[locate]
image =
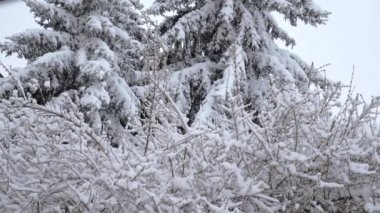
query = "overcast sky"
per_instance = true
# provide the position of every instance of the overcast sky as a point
(351, 37)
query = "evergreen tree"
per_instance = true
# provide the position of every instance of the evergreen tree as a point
(217, 49)
(90, 49)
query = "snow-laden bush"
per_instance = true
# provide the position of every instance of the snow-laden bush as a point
(313, 155)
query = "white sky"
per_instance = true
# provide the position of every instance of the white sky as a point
(351, 37)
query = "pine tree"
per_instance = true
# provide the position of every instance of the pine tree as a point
(211, 46)
(89, 49)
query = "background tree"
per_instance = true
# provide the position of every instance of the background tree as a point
(212, 45)
(89, 49)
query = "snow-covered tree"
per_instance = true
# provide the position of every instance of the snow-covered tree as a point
(214, 46)
(90, 49)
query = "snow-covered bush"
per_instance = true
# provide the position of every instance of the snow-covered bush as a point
(314, 154)
(52, 161)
